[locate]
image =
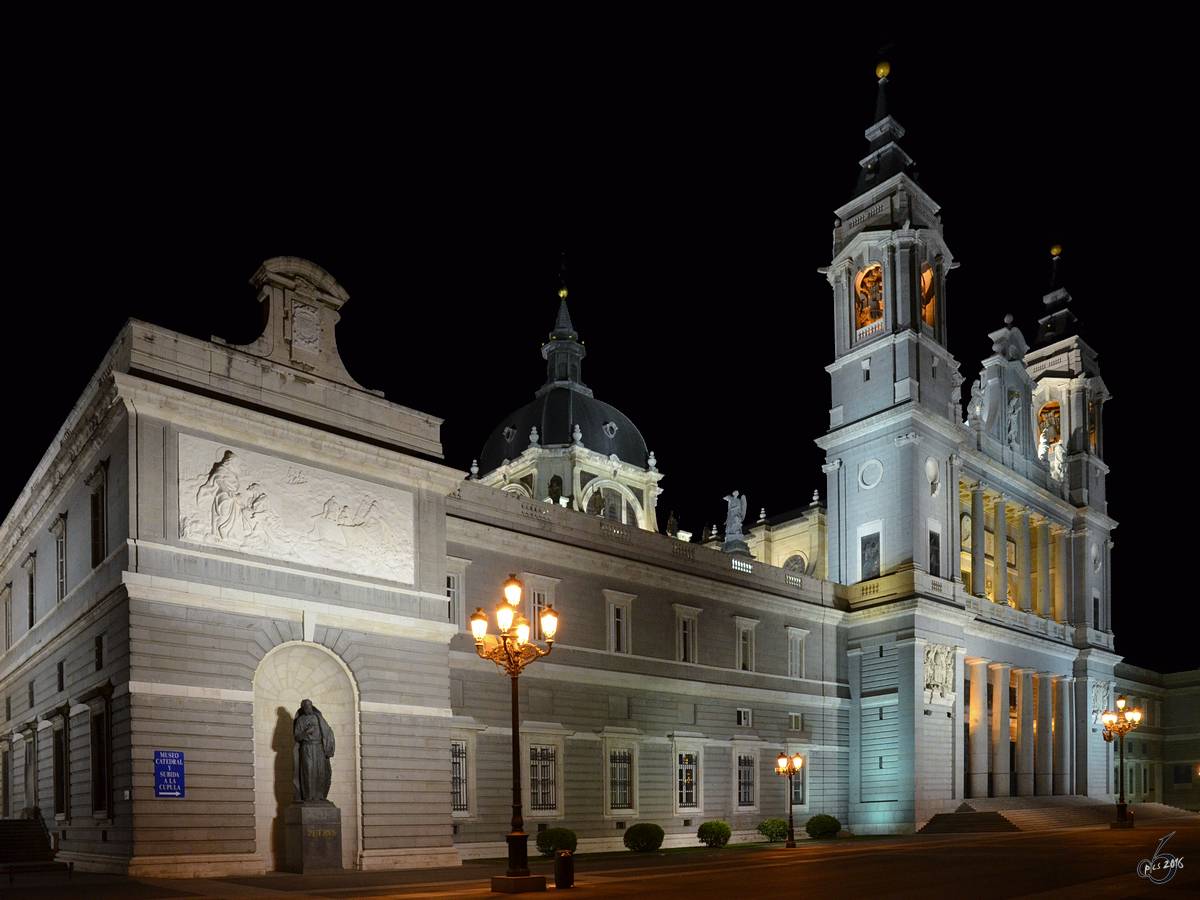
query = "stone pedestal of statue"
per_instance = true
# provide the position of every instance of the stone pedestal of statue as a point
(312, 837)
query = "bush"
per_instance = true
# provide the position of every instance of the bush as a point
(644, 837)
(553, 839)
(773, 829)
(715, 833)
(822, 827)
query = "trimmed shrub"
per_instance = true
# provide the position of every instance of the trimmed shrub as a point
(644, 837)
(715, 833)
(773, 829)
(553, 839)
(822, 826)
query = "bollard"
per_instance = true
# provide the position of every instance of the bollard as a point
(564, 869)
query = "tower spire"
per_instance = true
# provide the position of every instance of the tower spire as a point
(885, 158)
(563, 351)
(1059, 321)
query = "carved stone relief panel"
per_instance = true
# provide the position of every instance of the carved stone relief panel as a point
(939, 669)
(241, 500)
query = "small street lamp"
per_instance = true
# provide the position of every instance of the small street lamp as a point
(789, 767)
(1119, 724)
(512, 651)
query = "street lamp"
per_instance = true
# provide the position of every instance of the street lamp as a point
(789, 767)
(1120, 723)
(512, 652)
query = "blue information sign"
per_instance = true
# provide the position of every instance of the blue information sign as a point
(168, 773)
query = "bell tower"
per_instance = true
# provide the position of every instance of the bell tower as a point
(888, 276)
(894, 416)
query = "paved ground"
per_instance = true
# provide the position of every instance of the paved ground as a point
(1081, 864)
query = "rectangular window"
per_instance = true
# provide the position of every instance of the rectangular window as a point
(101, 772)
(743, 718)
(99, 652)
(796, 638)
(869, 556)
(458, 776)
(59, 530)
(538, 605)
(686, 633)
(8, 709)
(620, 779)
(744, 636)
(98, 482)
(31, 695)
(745, 780)
(452, 599)
(29, 569)
(795, 721)
(542, 779)
(60, 772)
(62, 676)
(619, 606)
(7, 593)
(688, 772)
(935, 554)
(798, 786)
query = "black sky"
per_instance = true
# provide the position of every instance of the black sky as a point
(692, 184)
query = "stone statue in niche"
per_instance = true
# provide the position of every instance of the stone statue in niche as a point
(1014, 436)
(253, 503)
(314, 747)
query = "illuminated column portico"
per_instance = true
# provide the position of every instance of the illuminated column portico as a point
(978, 736)
(1043, 755)
(1001, 674)
(1024, 732)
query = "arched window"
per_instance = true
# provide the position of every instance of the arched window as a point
(868, 297)
(928, 296)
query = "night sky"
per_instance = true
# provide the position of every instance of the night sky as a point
(693, 192)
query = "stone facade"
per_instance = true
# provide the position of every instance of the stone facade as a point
(220, 532)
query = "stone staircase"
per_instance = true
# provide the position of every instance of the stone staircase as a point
(1039, 814)
(25, 847)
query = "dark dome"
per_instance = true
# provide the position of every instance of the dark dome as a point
(555, 415)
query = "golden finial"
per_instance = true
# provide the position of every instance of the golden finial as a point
(1056, 250)
(882, 70)
(562, 292)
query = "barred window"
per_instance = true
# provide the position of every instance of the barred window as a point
(620, 779)
(539, 604)
(458, 775)
(688, 770)
(745, 780)
(542, 779)
(452, 597)
(59, 530)
(798, 787)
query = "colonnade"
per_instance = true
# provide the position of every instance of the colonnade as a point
(1039, 724)
(1040, 546)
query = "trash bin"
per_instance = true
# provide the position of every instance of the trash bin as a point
(564, 869)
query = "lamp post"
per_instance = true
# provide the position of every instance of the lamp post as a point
(1119, 724)
(789, 767)
(512, 651)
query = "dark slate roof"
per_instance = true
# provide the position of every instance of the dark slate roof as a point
(555, 414)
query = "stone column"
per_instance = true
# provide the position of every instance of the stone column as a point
(1059, 536)
(1000, 551)
(1043, 755)
(1001, 673)
(978, 548)
(1024, 732)
(1024, 558)
(1043, 568)
(979, 727)
(1062, 734)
